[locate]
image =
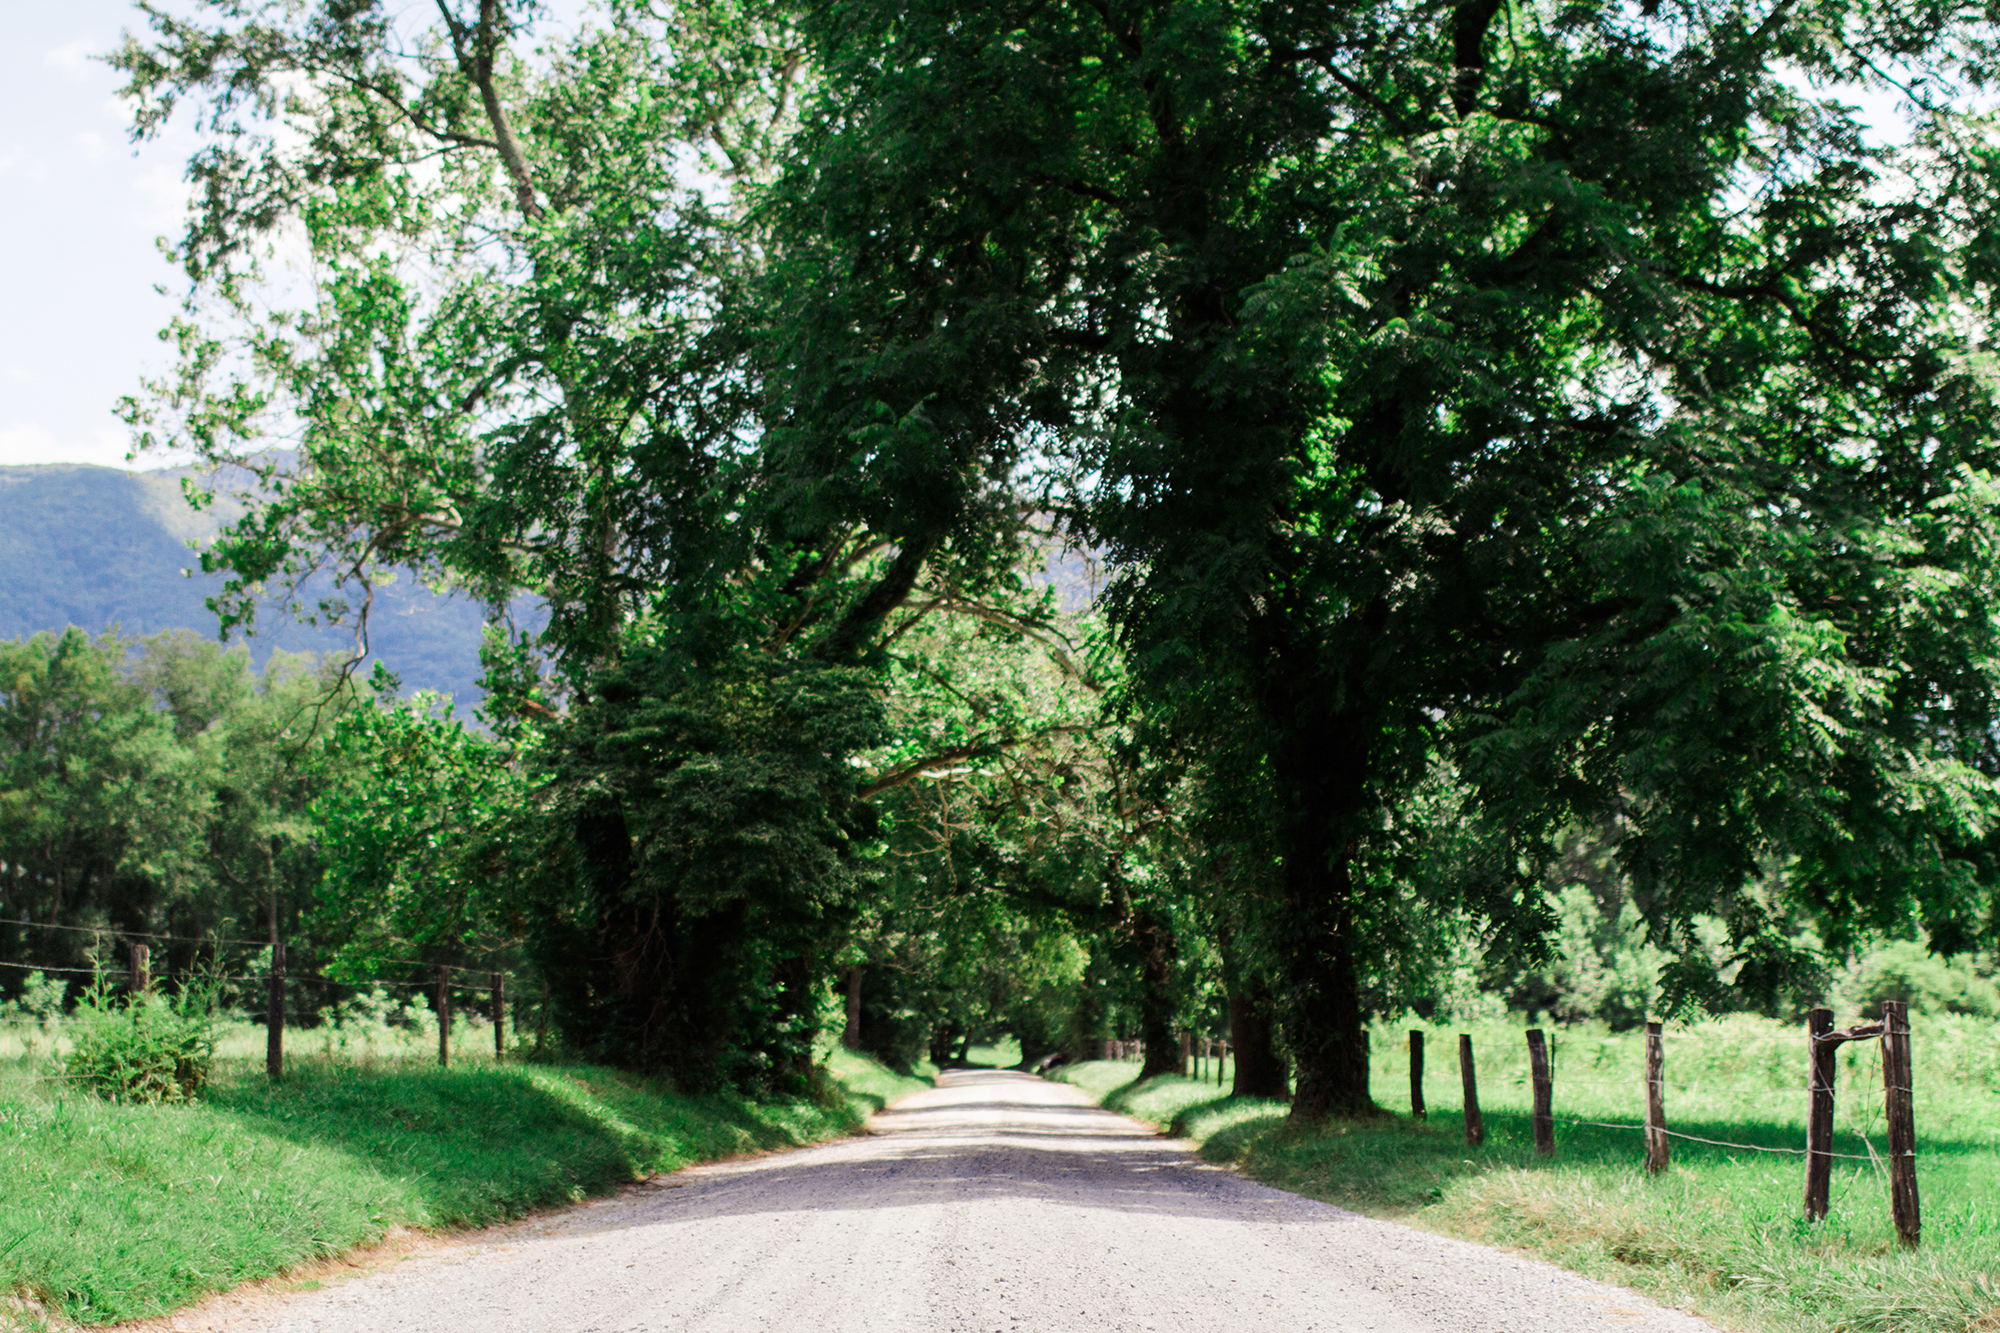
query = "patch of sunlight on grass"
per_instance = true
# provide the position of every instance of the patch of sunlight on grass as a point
(1720, 1231)
(111, 1213)
(1004, 1053)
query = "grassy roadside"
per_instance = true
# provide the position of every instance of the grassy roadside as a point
(112, 1213)
(1718, 1233)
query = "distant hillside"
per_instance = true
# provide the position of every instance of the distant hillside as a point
(97, 547)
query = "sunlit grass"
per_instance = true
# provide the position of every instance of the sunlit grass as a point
(1720, 1231)
(110, 1213)
(1003, 1053)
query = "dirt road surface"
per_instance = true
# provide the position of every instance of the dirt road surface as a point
(994, 1203)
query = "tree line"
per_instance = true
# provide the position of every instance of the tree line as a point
(1492, 422)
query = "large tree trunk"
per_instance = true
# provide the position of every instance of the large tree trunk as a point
(850, 1036)
(1157, 952)
(1321, 772)
(1260, 1070)
(1086, 1023)
(1323, 1018)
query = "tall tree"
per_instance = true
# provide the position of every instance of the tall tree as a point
(1566, 393)
(550, 347)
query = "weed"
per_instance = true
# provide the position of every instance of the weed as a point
(149, 1048)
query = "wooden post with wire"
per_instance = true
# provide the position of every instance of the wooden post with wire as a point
(444, 1016)
(1538, 1069)
(1820, 1067)
(499, 988)
(142, 970)
(1475, 1128)
(1902, 1124)
(1658, 1153)
(1416, 1075)
(274, 1017)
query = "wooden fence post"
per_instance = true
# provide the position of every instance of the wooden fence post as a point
(142, 971)
(274, 1017)
(1417, 1075)
(1221, 1061)
(1538, 1069)
(1658, 1154)
(1820, 1067)
(499, 989)
(444, 1017)
(1475, 1128)
(1902, 1124)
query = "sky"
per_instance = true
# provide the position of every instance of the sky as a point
(79, 312)
(84, 290)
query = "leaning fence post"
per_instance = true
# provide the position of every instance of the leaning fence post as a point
(1657, 1151)
(274, 1017)
(1820, 1067)
(1538, 1069)
(444, 1017)
(1475, 1128)
(499, 989)
(1416, 1075)
(142, 971)
(1902, 1124)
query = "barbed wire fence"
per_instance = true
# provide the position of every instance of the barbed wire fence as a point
(488, 985)
(1894, 1164)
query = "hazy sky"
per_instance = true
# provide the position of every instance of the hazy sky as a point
(82, 212)
(77, 232)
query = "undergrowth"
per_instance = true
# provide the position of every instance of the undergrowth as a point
(116, 1212)
(1719, 1232)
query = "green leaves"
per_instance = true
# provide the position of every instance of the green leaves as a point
(411, 818)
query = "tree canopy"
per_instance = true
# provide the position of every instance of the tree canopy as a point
(1495, 421)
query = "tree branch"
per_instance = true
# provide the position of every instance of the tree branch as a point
(475, 49)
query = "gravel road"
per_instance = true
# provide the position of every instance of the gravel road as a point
(994, 1202)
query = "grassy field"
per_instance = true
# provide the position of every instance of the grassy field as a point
(110, 1213)
(1720, 1231)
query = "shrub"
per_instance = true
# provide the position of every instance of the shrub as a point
(40, 1002)
(151, 1048)
(1908, 971)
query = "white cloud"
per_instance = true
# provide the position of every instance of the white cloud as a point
(93, 145)
(31, 442)
(73, 56)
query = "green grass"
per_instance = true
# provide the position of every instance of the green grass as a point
(110, 1213)
(1003, 1053)
(1720, 1231)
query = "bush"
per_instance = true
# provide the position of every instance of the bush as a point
(40, 1003)
(151, 1048)
(1908, 971)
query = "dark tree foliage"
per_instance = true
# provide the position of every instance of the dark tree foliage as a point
(1498, 420)
(699, 871)
(1564, 394)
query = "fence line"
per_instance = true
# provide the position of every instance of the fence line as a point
(1719, 1143)
(259, 945)
(1892, 1061)
(131, 934)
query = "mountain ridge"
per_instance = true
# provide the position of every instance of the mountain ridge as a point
(107, 549)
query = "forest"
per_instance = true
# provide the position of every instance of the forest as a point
(1071, 518)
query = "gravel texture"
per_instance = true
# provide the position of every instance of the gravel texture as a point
(994, 1202)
